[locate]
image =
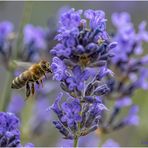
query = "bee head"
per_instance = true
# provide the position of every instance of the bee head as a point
(45, 65)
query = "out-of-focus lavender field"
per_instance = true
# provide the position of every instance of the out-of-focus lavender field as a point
(36, 121)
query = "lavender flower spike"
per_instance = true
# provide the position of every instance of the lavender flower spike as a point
(80, 45)
(34, 35)
(6, 37)
(79, 63)
(34, 41)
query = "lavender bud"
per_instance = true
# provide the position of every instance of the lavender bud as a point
(101, 90)
(91, 47)
(92, 129)
(90, 119)
(61, 128)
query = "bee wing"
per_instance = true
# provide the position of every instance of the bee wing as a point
(22, 65)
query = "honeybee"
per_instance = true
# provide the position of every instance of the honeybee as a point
(33, 75)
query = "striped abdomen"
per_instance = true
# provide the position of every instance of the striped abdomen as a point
(21, 80)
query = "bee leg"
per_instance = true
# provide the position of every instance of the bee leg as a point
(37, 82)
(32, 89)
(41, 82)
(45, 75)
(27, 91)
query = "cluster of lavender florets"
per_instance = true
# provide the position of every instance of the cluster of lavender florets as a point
(10, 131)
(80, 64)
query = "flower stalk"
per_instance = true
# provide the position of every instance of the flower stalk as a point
(6, 92)
(76, 142)
(74, 65)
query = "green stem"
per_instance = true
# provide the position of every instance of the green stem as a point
(25, 19)
(6, 92)
(75, 142)
(102, 137)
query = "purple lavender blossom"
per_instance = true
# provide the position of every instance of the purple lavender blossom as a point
(127, 37)
(61, 11)
(9, 122)
(78, 78)
(34, 41)
(104, 71)
(58, 50)
(58, 68)
(128, 63)
(120, 19)
(76, 63)
(80, 45)
(69, 22)
(69, 116)
(68, 113)
(71, 112)
(6, 28)
(34, 35)
(56, 105)
(97, 19)
(143, 34)
(9, 130)
(6, 36)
